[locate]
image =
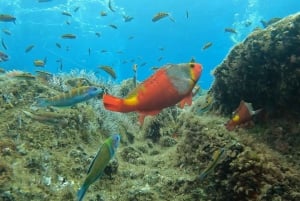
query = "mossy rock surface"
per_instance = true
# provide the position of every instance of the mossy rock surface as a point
(264, 69)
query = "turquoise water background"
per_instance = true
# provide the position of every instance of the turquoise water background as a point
(151, 44)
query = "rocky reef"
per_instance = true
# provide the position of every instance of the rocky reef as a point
(264, 69)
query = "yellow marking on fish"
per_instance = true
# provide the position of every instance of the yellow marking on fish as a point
(131, 101)
(236, 118)
(193, 76)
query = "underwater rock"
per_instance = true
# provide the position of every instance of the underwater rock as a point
(111, 168)
(133, 156)
(263, 70)
(167, 141)
(249, 170)
(6, 174)
(141, 194)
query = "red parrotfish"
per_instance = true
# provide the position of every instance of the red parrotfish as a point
(169, 85)
(241, 115)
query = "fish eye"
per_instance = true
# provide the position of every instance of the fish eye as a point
(192, 65)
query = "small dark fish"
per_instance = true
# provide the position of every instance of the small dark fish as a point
(160, 58)
(187, 14)
(109, 70)
(113, 26)
(3, 44)
(271, 21)
(6, 31)
(230, 30)
(248, 23)
(67, 22)
(172, 19)
(43, 75)
(58, 45)
(159, 16)
(103, 51)
(29, 48)
(68, 36)
(3, 57)
(98, 34)
(134, 68)
(78, 82)
(154, 68)
(59, 60)
(143, 64)
(89, 50)
(60, 64)
(130, 37)
(161, 48)
(127, 18)
(40, 63)
(66, 13)
(103, 13)
(207, 45)
(110, 6)
(7, 18)
(76, 9)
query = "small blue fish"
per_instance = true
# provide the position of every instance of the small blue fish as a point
(76, 95)
(217, 155)
(105, 153)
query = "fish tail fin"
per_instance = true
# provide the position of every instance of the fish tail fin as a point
(113, 103)
(81, 192)
(202, 176)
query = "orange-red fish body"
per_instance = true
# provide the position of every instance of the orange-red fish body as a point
(243, 114)
(169, 85)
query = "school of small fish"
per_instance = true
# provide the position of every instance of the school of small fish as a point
(169, 85)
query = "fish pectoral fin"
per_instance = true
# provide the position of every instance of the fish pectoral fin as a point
(186, 100)
(143, 114)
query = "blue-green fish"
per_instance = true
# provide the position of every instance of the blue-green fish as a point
(76, 95)
(217, 155)
(105, 153)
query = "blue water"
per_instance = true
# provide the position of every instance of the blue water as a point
(42, 24)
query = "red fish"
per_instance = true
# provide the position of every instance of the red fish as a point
(241, 115)
(169, 85)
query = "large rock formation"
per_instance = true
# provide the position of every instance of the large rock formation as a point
(264, 69)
